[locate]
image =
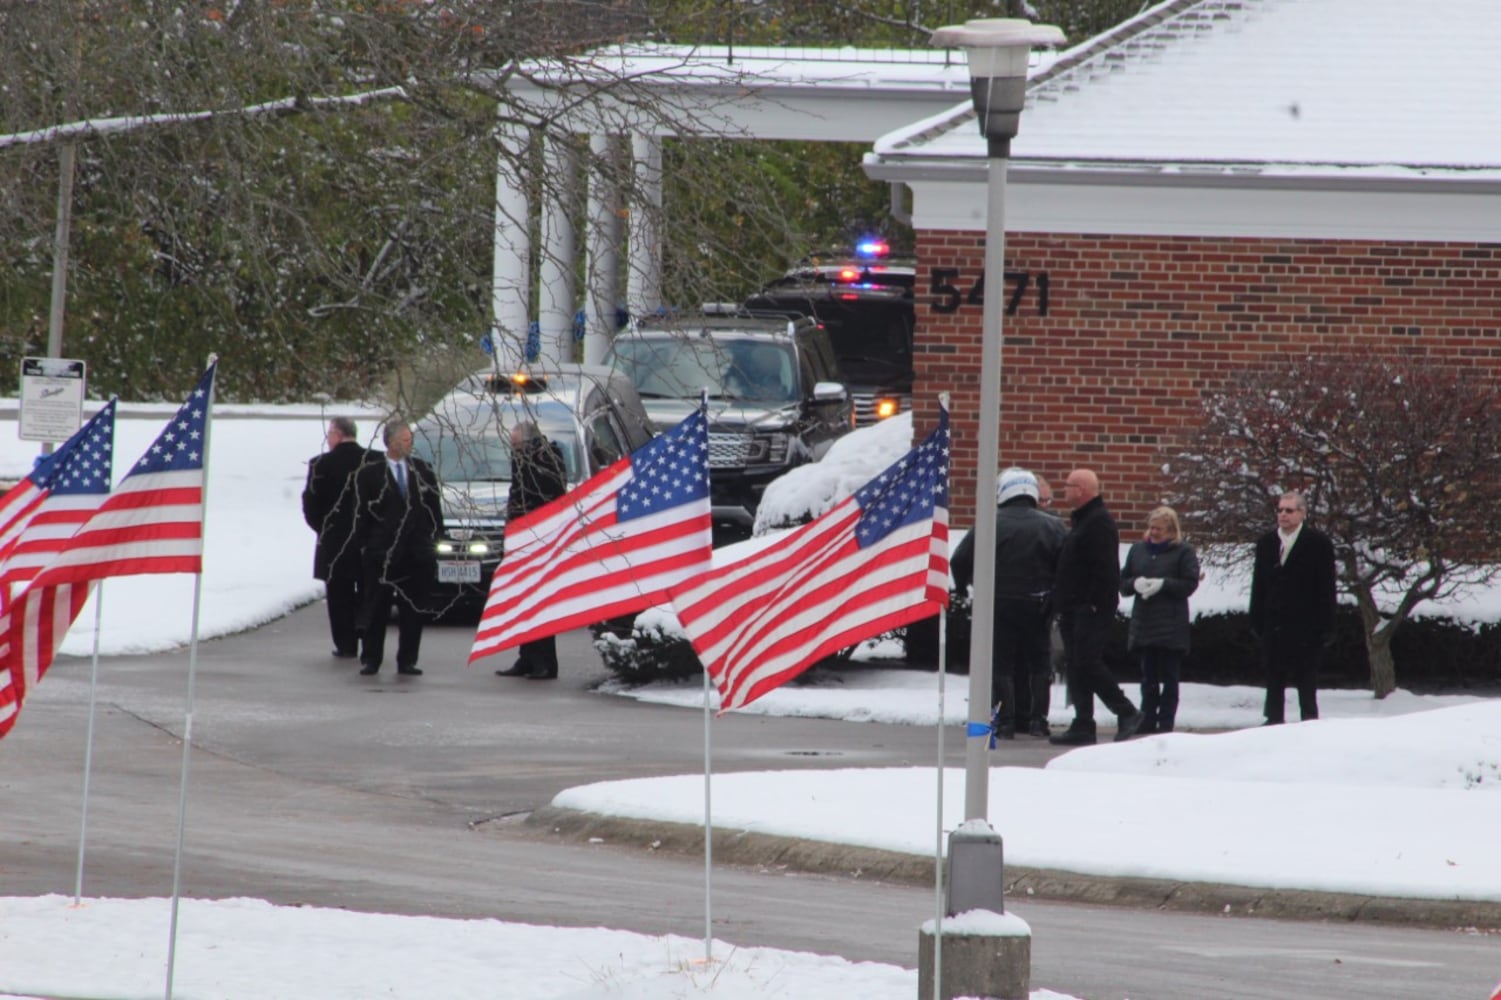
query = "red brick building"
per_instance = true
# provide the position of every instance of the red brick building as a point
(1215, 185)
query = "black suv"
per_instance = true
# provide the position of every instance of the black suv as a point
(866, 303)
(776, 396)
(591, 414)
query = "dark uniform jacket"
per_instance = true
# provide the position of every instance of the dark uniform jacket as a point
(1027, 542)
(538, 477)
(1292, 603)
(1160, 621)
(1089, 564)
(328, 507)
(396, 532)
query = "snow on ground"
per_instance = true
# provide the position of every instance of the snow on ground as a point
(1392, 798)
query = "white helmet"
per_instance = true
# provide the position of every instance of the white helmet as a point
(1015, 482)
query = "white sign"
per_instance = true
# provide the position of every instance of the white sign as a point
(51, 398)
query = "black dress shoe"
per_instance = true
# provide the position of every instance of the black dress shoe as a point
(340, 654)
(1073, 738)
(517, 669)
(1127, 725)
(369, 668)
(409, 671)
(545, 674)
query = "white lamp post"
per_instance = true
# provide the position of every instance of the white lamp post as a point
(998, 51)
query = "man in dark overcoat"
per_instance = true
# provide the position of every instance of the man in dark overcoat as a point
(1086, 598)
(399, 520)
(1027, 542)
(328, 507)
(1292, 607)
(538, 477)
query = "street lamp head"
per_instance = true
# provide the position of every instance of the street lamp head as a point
(998, 49)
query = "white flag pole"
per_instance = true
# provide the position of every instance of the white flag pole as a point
(943, 666)
(708, 830)
(187, 725)
(703, 402)
(88, 744)
(943, 639)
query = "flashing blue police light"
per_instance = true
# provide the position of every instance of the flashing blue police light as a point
(872, 248)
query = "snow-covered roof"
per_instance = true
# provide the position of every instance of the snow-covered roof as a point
(1292, 88)
(835, 94)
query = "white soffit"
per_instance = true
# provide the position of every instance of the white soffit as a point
(831, 94)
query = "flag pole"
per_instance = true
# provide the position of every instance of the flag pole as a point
(943, 661)
(708, 831)
(187, 725)
(703, 402)
(943, 628)
(88, 744)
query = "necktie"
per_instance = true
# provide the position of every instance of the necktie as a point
(400, 468)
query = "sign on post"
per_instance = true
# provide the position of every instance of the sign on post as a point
(51, 398)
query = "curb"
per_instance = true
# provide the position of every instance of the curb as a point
(740, 847)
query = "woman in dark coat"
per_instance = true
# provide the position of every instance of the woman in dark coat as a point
(1161, 571)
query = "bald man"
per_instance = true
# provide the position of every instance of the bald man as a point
(1086, 596)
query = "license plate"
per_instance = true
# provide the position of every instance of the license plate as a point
(466, 571)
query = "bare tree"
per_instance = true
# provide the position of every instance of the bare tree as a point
(1400, 460)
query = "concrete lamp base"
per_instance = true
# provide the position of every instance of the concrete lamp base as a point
(985, 955)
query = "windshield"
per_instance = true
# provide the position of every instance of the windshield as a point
(475, 445)
(678, 367)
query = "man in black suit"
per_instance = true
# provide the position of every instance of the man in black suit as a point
(400, 518)
(538, 477)
(1292, 606)
(328, 508)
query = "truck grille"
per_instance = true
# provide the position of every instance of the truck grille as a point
(727, 451)
(865, 406)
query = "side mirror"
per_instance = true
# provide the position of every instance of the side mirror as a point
(829, 392)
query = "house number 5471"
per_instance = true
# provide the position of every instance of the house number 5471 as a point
(948, 297)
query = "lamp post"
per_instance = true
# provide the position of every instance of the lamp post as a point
(998, 51)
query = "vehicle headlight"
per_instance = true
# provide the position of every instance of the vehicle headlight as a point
(887, 406)
(479, 548)
(767, 449)
(446, 548)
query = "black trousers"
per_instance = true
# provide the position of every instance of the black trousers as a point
(344, 611)
(1022, 673)
(406, 586)
(1296, 662)
(541, 655)
(1085, 632)
(1160, 670)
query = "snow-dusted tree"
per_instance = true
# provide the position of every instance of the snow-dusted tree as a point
(1400, 460)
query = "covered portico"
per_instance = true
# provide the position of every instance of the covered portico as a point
(626, 100)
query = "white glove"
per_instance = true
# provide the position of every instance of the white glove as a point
(1147, 586)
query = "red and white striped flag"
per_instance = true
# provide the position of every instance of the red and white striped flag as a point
(41, 512)
(875, 562)
(152, 523)
(612, 546)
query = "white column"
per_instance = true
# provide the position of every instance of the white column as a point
(602, 246)
(557, 280)
(511, 284)
(643, 293)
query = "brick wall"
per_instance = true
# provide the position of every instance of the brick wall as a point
(1137, 329)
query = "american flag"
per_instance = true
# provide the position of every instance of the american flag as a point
(611, 546)
(41, 512)
(876, 561)
(152, 523)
